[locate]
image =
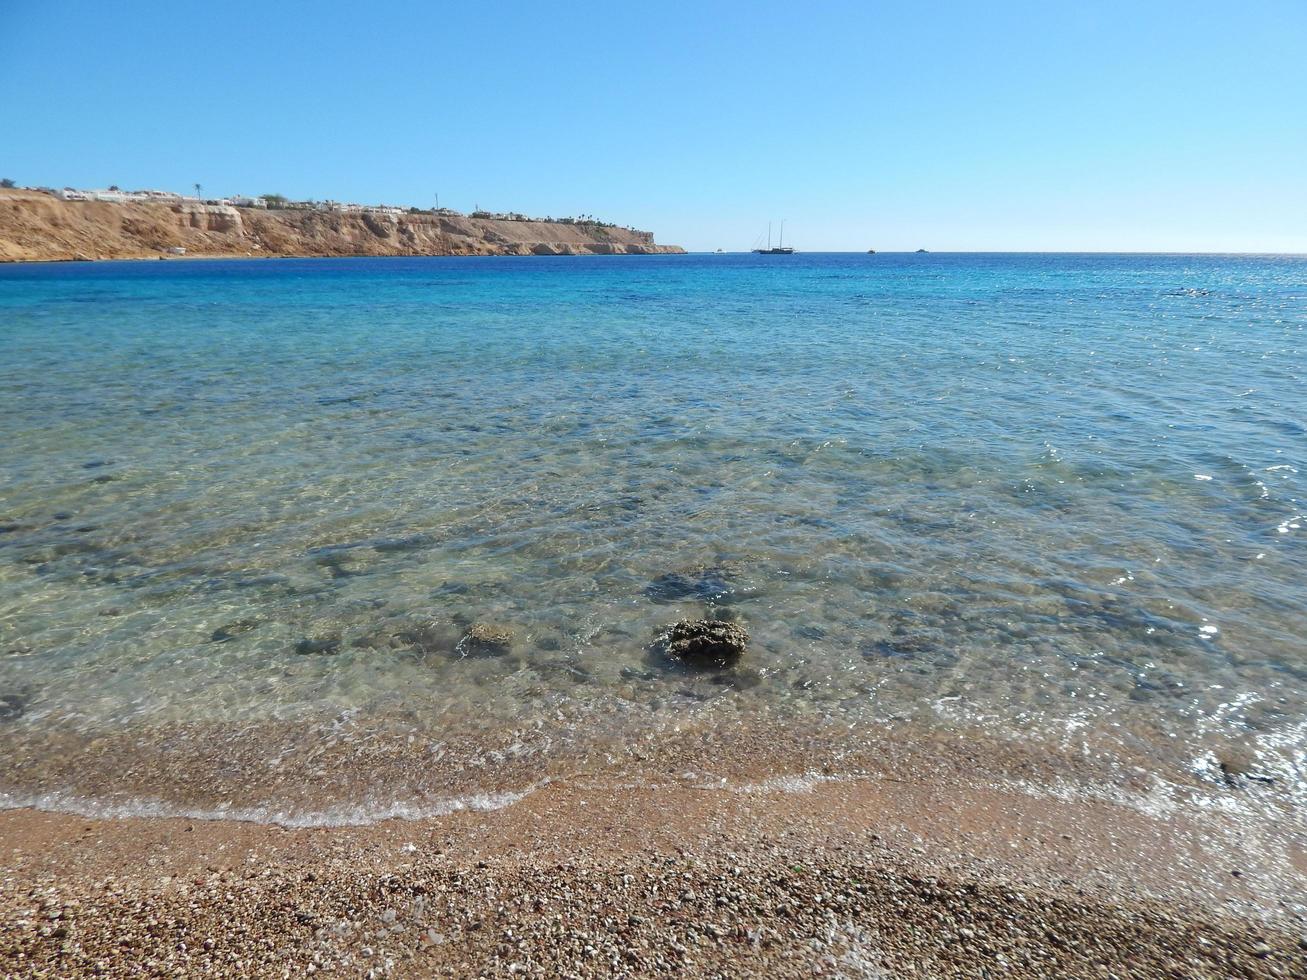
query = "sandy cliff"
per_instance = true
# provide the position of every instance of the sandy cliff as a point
(38, 227)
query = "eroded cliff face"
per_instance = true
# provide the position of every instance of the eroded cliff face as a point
(38, 227)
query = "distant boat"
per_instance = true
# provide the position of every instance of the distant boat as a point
(719, 251)
(780, 249)
(871, 251)
(921, 251)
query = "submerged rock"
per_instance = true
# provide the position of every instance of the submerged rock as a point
(413, 542)
(562, 669)
(706, 642)
(704, 584)
(232, 630)
(344, 560)
(266, 581)
(12, 706)
(485, 640)
(1237, 766)
(424, 636)
(900, 646)
(328, 643)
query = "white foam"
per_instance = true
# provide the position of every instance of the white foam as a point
(1160, 802)
(793, 783)
(342, 815)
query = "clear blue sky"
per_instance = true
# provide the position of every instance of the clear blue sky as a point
(1178, 125)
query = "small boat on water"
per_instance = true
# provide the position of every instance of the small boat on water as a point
(780, 249)
(871, 251)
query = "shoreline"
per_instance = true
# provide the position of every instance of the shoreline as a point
(308, 770)
(784, 877)
(667, 251)
(396, 255)
(771, 862)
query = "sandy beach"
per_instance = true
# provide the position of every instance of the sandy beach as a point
(963, 866)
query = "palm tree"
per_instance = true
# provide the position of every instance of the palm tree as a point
(199, 192)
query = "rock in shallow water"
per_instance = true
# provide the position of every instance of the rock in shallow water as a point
(423, 636)
(329, 643)
(485, 640)
(12, 706)
(1237, 766)
(705, 584)
(412, 542)
(706, 642)
(232, 630)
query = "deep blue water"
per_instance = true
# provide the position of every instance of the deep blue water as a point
(1060, 495)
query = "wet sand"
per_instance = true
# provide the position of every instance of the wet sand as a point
(971, 866)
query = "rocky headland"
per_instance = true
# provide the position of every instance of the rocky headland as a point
(37, 227)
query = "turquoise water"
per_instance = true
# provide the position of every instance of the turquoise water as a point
(1053, 496)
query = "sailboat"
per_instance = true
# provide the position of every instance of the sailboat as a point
(781, 249)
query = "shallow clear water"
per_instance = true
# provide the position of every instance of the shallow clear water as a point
(1059, 496)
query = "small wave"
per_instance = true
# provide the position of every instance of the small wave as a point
(1160, 802)
(793, 783)
(341, 815)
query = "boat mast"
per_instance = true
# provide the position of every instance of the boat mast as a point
(769, 234)
(782, 245)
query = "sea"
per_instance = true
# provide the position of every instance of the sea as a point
(250, 511)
